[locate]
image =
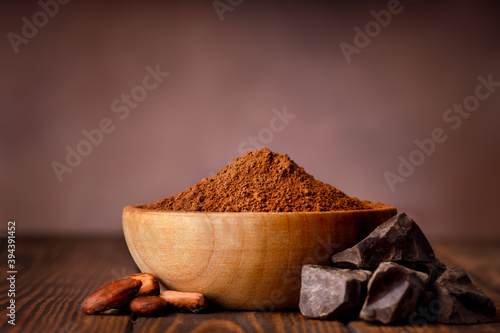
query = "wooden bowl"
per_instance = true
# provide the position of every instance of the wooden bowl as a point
(242, 261)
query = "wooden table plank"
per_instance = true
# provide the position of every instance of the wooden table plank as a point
(55, 275)
(364, 327)
(231, 321)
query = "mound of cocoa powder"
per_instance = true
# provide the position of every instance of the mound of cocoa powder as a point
(260, 181)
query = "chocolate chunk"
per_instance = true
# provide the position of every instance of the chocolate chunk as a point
(332, 293)
(460, 301)
(393, 293)
(398, 239)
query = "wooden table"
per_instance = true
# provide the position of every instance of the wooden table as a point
(55, 274)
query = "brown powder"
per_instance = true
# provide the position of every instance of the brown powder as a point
(260, 181)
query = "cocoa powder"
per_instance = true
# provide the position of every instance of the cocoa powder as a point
(260, 181)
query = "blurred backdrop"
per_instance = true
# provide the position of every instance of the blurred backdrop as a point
(109, 104)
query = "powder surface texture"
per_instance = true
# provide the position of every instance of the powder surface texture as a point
(260, 181)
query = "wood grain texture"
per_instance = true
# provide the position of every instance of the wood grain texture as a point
(55, 275)
(242, 261)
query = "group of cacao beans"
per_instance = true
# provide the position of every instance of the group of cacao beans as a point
(140, 293)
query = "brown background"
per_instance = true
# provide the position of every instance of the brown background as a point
(226, 77)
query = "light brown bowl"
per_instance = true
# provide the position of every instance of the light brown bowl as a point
(242, 261)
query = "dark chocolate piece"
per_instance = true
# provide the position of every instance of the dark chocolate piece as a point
(332, 293)
(460, 302)
(393, 293)
(398, 239)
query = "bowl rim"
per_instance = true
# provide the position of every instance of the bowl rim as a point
(376, 207)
